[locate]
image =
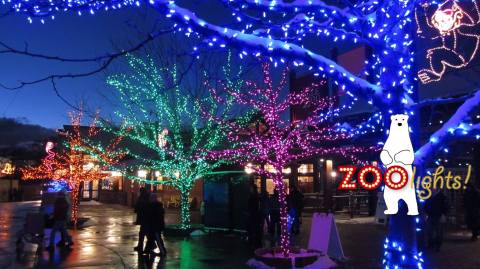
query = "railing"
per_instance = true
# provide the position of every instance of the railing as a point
(353, 204)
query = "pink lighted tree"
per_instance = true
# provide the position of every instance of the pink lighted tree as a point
(280, 141)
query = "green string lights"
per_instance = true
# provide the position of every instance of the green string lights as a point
(169, 126)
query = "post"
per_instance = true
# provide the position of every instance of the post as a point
(328, 192)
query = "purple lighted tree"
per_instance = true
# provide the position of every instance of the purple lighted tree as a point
(281, 141)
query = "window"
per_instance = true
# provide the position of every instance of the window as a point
(271, 169)
(158, 177)
(271, 185)
(305, 184)
(113, 181)
(306, 168)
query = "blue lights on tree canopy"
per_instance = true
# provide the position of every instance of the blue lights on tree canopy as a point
(57, 186)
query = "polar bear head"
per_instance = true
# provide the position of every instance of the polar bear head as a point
(399, 125)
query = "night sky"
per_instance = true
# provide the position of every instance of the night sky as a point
(75, 36)
(69, 36)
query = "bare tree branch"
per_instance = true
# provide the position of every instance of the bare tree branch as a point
(107, 60)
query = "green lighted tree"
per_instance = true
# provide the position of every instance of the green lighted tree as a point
(170, 125)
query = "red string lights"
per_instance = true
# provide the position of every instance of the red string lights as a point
(74, 163)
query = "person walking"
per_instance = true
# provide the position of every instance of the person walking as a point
(296, 200)
(436, 209)
(471, 203)
(141, 211)
(63, 240)
(155, 221)
(60, 213)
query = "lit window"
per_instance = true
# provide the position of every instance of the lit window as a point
(159, 177)
(305, 168)
(142, 173)
(272, 170)
(112, 181)
(271, 185)
(305, 184)
(286, 170)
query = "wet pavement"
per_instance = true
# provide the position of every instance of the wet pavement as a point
(107, 239)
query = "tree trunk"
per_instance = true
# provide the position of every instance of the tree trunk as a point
(74, 203)
(185, 209)
(282, 199)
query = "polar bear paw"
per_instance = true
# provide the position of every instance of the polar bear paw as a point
(386, 158)
(390, 212)
(412, 212)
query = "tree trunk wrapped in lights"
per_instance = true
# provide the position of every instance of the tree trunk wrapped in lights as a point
(281, 141)
(69, 164)
(170, 125)
(185, 208)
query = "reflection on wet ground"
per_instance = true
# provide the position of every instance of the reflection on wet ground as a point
(108, 237)
(107, 240)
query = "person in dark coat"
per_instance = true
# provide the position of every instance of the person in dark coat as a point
(254, 218)
(471, 203)
(436, 209)
(274, 227)
(295, 199)
(60, 213)
(155, 225)
(141, 211)
(264, 208)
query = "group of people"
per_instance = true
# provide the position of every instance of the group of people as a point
(436, 209)
(264, 211)
(151, 218)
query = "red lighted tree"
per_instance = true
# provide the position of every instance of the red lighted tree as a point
(281, 141)
(71, 165)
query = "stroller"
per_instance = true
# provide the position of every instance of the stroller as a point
(33, 232)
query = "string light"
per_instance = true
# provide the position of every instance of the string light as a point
(277, 142)
(403, 177)
(452, 24)
(69, 164)
(347, 184)
(171, 125)
(8, 168)
(277, 30)
(377, 175)
(50, 155)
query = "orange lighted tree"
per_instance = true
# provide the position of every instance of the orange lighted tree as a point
(79, 159)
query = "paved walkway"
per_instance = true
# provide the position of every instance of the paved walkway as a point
(108, 237)
(107, 241)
